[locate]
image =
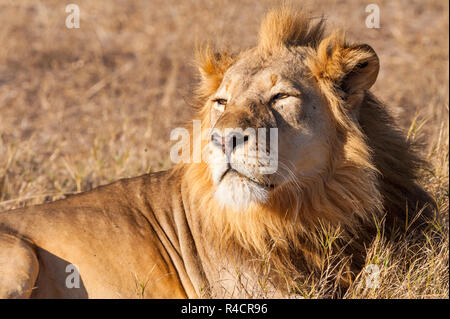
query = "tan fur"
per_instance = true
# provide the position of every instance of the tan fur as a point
(359, 186)
(285, 27)
(168, 230)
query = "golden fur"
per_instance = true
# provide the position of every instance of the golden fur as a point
(371, 175)
(167, 228)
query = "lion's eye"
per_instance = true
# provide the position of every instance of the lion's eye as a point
(279, 96)
(221, 101)
(219, 104)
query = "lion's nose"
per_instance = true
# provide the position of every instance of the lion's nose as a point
(229, 143)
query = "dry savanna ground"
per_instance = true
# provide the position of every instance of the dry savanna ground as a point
(83, 107)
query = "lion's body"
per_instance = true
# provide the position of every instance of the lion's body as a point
(195, 231)
(122, 237)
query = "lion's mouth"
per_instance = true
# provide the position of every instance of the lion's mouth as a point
(231, 170)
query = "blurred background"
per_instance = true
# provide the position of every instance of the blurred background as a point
(83, 107)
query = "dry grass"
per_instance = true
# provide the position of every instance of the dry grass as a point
(83, 107)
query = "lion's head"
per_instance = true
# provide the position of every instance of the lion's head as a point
(340, 158)
(284, 113)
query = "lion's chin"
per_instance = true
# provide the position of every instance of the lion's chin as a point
(238, 193)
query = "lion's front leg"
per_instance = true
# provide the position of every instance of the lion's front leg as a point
(19, 267)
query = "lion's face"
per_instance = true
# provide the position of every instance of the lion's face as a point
(269, 126)
(283, 113)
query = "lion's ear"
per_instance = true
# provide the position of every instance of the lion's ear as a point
(351, 68)
(362, 66)
(212, 67)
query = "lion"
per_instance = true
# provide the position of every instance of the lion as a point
(223, 226)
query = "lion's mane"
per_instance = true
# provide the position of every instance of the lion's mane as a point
(371, 174)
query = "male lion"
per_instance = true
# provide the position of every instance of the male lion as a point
(224, 227)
